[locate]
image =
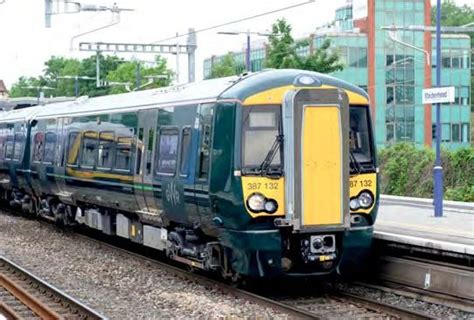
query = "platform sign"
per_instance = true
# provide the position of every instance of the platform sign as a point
(438, 95)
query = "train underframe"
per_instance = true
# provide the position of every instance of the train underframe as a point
(236, 254)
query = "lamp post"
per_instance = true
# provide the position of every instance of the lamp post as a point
(248, 64)
(438, 169)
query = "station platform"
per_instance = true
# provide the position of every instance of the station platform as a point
(411, 221)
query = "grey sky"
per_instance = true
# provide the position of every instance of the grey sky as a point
(26, 43)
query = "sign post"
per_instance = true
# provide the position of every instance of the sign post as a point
(437, 96)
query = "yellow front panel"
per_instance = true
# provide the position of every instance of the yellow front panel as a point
(322, 166)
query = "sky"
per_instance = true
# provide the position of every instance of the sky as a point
(25, 43)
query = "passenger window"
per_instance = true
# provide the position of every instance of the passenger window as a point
(19, 141)
(106, 142)
(9, 147)
(185, 151)
(74, 142)
(167, 152)
(206, 115)
(38, 150)
(49, 147)
(89, 149)
(123, 153)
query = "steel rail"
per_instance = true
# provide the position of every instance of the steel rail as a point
(38, 307)
(8, 312)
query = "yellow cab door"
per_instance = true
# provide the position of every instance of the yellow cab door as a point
(316, 157)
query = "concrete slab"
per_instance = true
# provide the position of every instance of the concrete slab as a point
(416, 225)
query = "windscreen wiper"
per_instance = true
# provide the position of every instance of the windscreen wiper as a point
(354, 163)
(270, 155)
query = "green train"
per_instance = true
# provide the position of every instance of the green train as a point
(267, 174)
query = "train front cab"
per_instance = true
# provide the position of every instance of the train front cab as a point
(323, 204)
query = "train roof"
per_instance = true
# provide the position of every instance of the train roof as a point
(202, 91)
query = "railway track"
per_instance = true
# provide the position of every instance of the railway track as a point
(330, 304)
(25, 296)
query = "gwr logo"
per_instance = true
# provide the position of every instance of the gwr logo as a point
(172, 194)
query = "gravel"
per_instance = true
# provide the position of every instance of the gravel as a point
(435, 310)
(115, 284)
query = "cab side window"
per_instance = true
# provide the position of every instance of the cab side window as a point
(167, 152)
(206, 113)
(185, 151)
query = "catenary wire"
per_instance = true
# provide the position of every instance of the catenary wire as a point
(237, 21)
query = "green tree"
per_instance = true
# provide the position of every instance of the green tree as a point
(126, 72)
(27, 87)
(283, 52)
(224, 68)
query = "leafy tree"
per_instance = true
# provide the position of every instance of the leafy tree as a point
(283, 52)
(27, 87)
(111, 68)
(127, 72)
(224, 68)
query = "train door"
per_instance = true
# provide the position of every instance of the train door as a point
(316, 157)
(201, 185)
(145, 150)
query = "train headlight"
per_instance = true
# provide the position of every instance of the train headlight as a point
(354, 204)
(365, 199)
(256, 202)
(271, 206)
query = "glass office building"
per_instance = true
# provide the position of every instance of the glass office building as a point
(394, 75)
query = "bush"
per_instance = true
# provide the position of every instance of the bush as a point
(408, 171)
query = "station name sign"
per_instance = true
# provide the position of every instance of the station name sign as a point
(438, 95)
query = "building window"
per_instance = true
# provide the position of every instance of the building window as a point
(105, 156)
(465, 132)
(446, 132)
(167, 151)
(455, 132)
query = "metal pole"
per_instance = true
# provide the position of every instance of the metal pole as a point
(76, 86)
(247, 55)
(138, 76)
(438, 169)
(177, 58)
(97, 68)
(192, 44)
